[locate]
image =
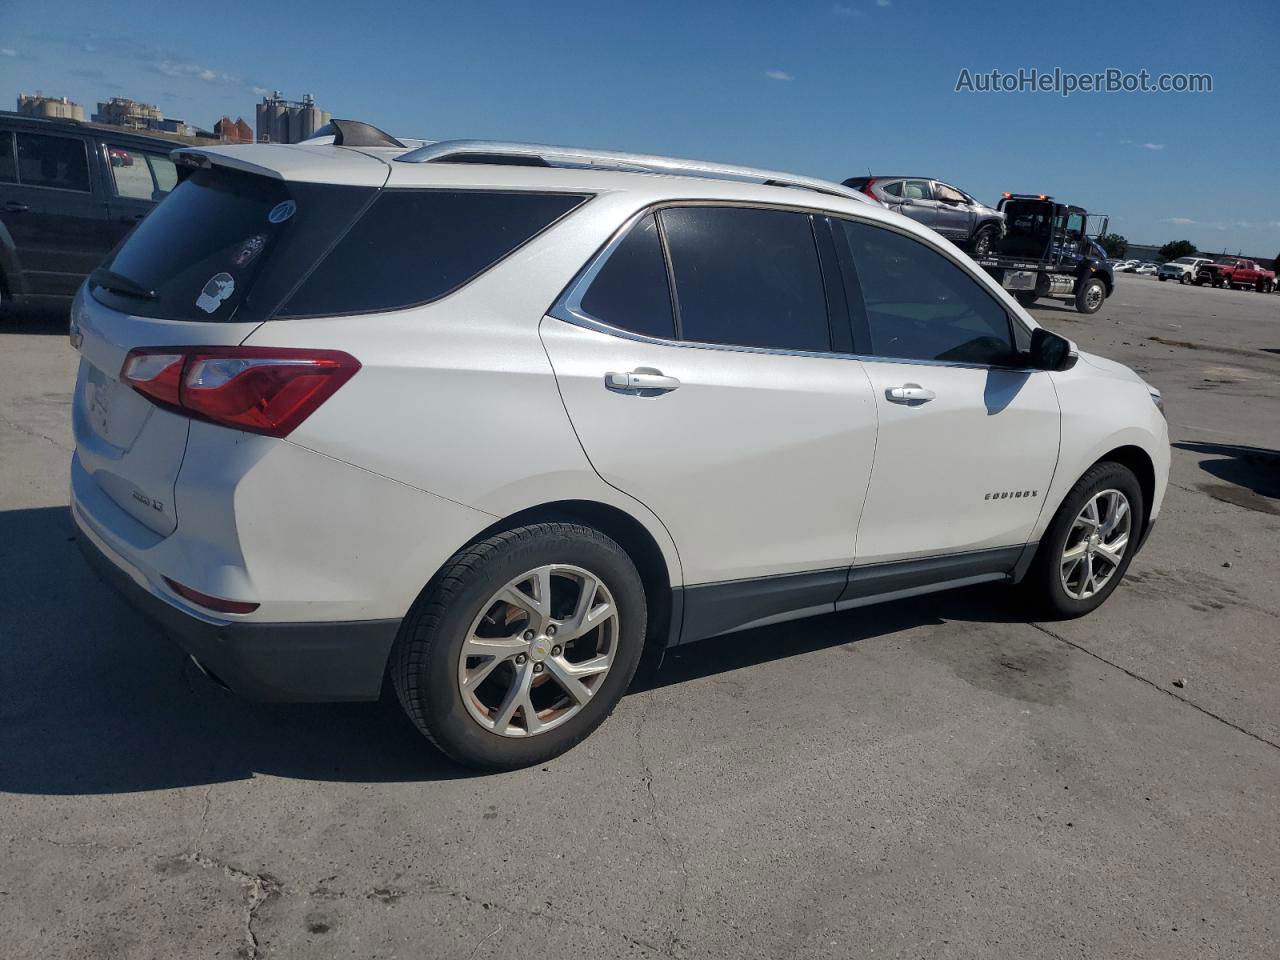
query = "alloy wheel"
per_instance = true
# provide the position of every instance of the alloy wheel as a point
(538, 651)
(1093, 297)
(1096, 544)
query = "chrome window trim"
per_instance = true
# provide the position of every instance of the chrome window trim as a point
(568, 306)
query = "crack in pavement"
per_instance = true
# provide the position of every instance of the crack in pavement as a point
(1155, 686)
(261, 887)
(489, 936)
(517, 913)
(668, 841)
(32, 433)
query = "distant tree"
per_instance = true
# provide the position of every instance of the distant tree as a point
(1114, 244)
(1275, 264)
(1177, 248)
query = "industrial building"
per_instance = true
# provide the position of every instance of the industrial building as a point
(143, 117)
(287, 121)
(233, 131)
(50, 108)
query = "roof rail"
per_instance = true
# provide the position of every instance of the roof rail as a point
(545, 155)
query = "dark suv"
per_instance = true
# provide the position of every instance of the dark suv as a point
(952, 212)
(69, 192)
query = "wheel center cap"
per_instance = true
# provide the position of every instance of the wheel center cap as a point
(540, 650)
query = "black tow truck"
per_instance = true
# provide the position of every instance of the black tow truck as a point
(1050, 249)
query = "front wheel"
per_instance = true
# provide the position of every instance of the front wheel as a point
(1026, 297)
(1088, 546)
(1184, 279)
(1090, 296)
(1162, 278)
(522, 645)
(982, 241)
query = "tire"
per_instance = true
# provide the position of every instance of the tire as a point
(1026, 297)
(1091, 295)
(427, 664)
(981, 243)
(1184, 279)
(1046, 584)
(1161, 278)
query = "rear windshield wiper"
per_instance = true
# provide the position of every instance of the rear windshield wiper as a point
(118, 283)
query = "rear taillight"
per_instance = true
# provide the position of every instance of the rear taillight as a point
(265, 390)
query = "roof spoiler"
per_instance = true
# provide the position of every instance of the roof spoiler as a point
(353, 133)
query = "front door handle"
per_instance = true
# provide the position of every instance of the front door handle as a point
(911, 394)
(645, 381)
(14, 206)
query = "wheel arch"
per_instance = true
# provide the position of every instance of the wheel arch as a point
(1140, 463)
(661, 597)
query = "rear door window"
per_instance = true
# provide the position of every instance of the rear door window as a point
(917, 304)
(226, 244)
(747, 277)
(631, 290)
(415, 246)
(139, 175)
(47, 161)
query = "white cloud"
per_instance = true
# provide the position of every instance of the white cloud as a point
(844, 10)
(1181, 221)
(778, 75)
(8, 52)
(884, 3)
(180, 68)
(1154, 146)
(260, 91)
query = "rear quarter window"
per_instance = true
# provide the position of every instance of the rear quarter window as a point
(415, 246)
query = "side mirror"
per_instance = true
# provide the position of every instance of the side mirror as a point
(1050, 351)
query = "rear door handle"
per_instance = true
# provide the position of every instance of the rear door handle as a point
(641, 380)
(911, 394)
(13, 206)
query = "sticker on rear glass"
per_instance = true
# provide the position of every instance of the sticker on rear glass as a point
(219, 287)
(249, 249)
(282, 211)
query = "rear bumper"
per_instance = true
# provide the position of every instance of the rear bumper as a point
(278, 662)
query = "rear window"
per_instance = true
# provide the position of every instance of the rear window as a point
(415, 246)
(228, 246)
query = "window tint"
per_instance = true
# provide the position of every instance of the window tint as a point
(163, 169)
(893, 189)
(45, 161)
(631, 290)
(8, 167)
(747, 277)
(920, 305)
(414, 246)
(227, 245)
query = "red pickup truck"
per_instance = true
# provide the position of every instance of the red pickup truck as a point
(1236, 273)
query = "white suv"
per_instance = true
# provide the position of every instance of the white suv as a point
(1183, 269)
(489, 420)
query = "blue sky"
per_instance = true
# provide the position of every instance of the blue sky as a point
(824, 88)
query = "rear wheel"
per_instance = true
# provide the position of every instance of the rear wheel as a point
(1090, 296)
(1026, 297)
(1088, 546)
(522, 645)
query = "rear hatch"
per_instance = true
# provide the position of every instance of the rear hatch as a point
(205, 268)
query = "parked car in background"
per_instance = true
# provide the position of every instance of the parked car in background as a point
(299, 452)
(1183, 269)
(1147, 269)
(953, 213)
(69, 192)
(1236, 273)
